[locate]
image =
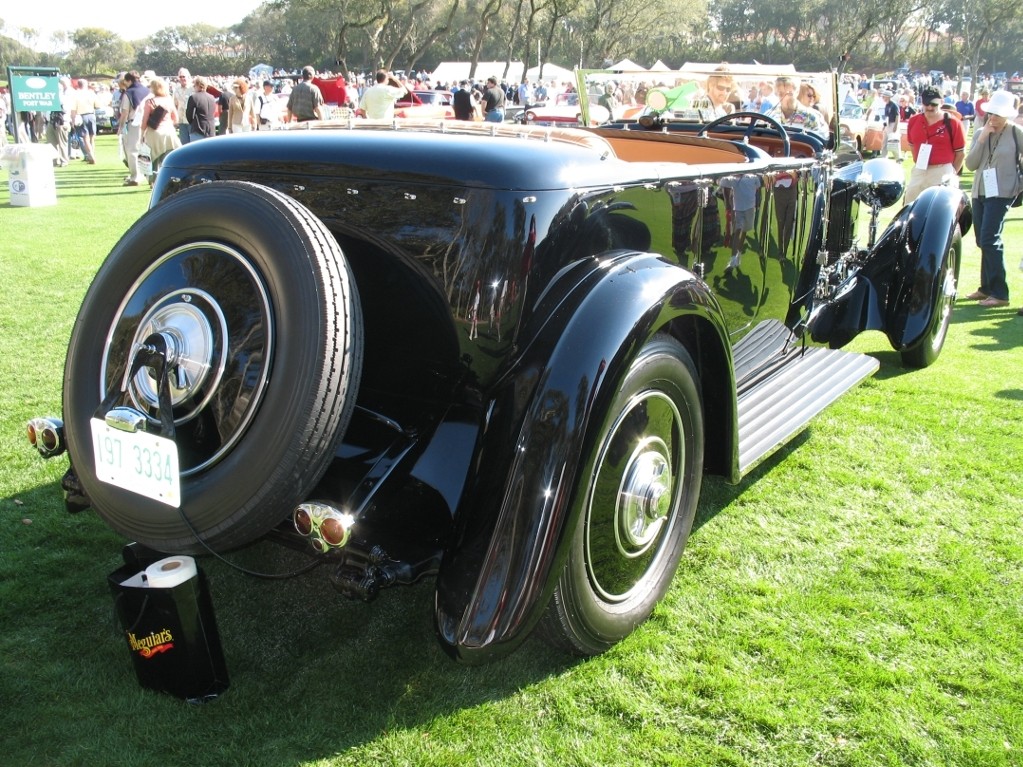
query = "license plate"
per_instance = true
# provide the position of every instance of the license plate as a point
(137, 461)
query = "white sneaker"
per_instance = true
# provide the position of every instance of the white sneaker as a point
(734, 262)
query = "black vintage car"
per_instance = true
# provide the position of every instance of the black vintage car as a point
(501, 357)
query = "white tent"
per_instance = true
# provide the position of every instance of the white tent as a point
(456, 71)
(660, 66)
(765, 70)
(627, 66)
(552, 73)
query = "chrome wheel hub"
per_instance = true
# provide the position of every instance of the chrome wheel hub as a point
(210, 308)
(644, 499)
(634, 496)
(190, 321)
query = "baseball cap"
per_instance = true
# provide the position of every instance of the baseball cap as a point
(930, 96)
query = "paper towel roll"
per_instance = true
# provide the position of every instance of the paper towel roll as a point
(170, 572)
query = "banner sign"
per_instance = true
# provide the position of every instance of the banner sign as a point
(34, 88)
(35, 93)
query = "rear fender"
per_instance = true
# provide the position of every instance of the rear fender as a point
(516, 516)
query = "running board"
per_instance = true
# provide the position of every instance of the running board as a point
(776, 408)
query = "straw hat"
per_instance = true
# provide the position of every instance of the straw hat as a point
(1002, 103)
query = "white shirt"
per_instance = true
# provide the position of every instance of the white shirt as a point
(378, 102)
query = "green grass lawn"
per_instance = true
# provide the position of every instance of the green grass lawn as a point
(858, 600)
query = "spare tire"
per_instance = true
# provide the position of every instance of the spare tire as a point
(263, 309)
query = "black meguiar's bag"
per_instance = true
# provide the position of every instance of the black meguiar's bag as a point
(170, 631)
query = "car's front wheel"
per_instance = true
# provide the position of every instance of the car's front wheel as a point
(638, 500)
(253, 299)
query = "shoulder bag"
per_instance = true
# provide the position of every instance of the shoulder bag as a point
(1018, 201)
(156, 116)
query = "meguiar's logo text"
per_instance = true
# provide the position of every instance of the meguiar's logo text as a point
(157, 642)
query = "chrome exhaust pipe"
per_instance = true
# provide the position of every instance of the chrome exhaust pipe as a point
(326, 526)
(47, 436)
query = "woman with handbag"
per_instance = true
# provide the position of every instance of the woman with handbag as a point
(995, 160)
(159, 124)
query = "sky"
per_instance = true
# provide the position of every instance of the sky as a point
(142, 21)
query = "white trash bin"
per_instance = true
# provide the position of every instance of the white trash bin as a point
(30, 176)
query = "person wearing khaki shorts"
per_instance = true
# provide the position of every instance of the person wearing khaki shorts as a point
(938, 144)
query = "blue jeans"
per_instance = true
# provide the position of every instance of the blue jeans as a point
(494, 116)
(988, 222)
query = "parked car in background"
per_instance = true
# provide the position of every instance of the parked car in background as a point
(500, 358)
(853, 119)
(425, 105)
(563, 111)
(106, 119)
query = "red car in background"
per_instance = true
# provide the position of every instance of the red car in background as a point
(425, 105)
(334, 90)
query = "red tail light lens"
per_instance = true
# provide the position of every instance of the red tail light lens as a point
(333, 531)
(326, 526)
(303, 523)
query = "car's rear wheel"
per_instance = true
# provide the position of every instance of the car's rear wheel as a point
(638, 500)
(255, 297)
(928, 348)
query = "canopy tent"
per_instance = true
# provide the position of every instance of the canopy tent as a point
(626, 66)
(456, 71)
(551, 73)
(739, 69)
(659, 66)
(261, 72)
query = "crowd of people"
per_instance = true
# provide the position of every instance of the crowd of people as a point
(155, 115)
(945, 134)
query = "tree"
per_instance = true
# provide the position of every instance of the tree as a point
(973, 25)
(14, 54)
(487, 15)
(98, 50)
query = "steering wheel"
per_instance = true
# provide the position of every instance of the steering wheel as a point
(754, 118)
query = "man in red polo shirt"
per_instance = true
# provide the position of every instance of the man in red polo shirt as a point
(938, 144)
